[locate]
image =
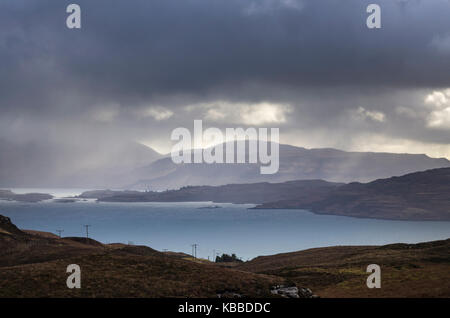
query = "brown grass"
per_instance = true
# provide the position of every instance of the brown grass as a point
(407, 270)
(33, 264)
(121, 274)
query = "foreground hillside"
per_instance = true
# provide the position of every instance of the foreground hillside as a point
(407, 270)
(33, 264)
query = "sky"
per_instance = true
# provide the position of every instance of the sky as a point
(137, 69)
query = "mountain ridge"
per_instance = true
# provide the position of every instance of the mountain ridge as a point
(130, 165)
(421, 195)
(296, 163)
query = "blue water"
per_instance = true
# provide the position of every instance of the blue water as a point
(230, 229)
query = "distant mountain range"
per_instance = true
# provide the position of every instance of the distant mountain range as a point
(416, 196)
(295, 164)
(129, 165)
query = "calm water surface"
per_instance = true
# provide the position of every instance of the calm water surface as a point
(233, 228)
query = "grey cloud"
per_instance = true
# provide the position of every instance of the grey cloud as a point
(441, 43)
(317, 56)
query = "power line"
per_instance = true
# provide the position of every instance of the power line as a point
(194, 250)
(87, 230)
(59, 232)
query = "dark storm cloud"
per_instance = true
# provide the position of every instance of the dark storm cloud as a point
(143, 48)
(317, 56)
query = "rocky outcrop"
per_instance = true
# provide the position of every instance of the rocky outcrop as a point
(229, 294)
(292, 292)
(7, 227)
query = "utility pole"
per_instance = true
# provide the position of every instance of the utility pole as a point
(194, 250)
(87, 230)
(59, 232)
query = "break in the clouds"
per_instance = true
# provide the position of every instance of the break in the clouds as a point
(137, 69)
(439, 116)
(248, 114)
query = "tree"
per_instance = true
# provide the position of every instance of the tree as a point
(225, 258)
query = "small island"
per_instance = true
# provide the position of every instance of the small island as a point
(26, 197)
(210, 207)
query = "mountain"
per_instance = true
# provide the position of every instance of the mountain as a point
(83, 164)
(295, 164)
(416, 196)
(119, 164)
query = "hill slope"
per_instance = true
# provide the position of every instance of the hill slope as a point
(416, 196)
(35, 266)
(231, 193)
(407, 270)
